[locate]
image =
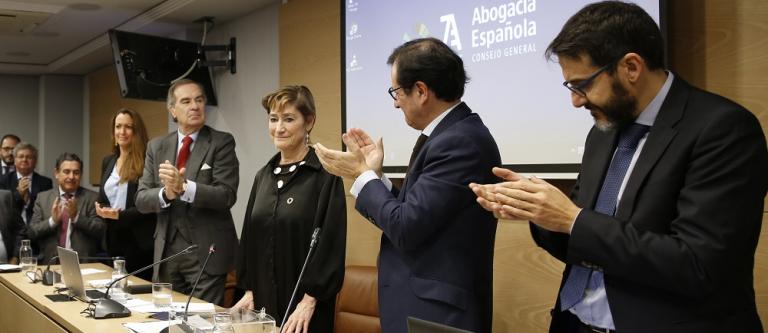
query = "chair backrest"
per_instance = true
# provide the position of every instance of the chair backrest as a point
(357, 305)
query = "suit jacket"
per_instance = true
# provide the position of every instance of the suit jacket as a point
(208, 219)
(436, 256)
(11, 225)
(87, 230)
(40, 183)
(131, 235)
(678, 255)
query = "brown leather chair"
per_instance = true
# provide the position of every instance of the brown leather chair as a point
(357, 304)
(229, 290)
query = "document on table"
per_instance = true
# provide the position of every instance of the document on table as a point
(149, 326)
(89, 271)
(178, 307)
(9, 268)
(102, 283)
(197, 322)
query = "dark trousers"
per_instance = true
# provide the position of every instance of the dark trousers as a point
(182, 271)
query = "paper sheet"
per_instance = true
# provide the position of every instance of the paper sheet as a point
(89, 271)
(149, 326)
(102, 283)
(178, 307)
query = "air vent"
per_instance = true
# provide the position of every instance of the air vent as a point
(20, 22)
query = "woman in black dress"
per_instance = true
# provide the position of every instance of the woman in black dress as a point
(291, 196)
(129, 233)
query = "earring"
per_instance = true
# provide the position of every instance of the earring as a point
(306, 139)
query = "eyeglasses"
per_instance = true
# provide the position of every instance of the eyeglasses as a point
(34, 276)
(392, 92)
(578, 88)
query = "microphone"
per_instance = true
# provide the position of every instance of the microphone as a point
(211, 250)
(50, 276)
(184, 325)
(312, 243)
(109, 308)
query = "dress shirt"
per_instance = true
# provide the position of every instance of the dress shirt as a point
(369, 175)
(72, 220)
(116, 191)
(26, 203)
(593, 309)
(189, 194)
(6, 168)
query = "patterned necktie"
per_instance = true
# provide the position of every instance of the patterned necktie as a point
(573, 289)
(416, 149)
(64, 219)
(181, 161)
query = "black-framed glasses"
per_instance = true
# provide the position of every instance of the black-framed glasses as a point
(34, 276)
(579, 87)
(393, 92)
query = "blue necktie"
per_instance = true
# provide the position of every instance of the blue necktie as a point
(573, 290)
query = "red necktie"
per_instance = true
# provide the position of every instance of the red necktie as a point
(181, 161)
(64, 219)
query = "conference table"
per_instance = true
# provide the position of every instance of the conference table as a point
(24, 307)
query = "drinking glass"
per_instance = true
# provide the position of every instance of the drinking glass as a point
(161, 295)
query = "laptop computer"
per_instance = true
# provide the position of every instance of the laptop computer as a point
(73, 277)
(416, 325)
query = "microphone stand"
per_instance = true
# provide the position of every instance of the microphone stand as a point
(109, 308)
(184, 325)
(49, 276)
(211, 250)
(312, 243)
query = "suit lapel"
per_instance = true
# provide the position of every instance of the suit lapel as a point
(167, 150)
(595, 164)
(660, 136)
(197, 154)
(458, 113)
(108, 170)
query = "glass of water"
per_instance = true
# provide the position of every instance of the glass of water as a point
(161, 296)
(222, 323)
(28, 266)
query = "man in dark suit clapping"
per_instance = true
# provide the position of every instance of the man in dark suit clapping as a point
(25, 183)
(436, 256)
(660, 231)
(190, 180)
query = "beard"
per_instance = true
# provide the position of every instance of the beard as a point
(618, 113)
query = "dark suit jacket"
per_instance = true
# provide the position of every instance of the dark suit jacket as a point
(40, 183)
(678, 255)
(131, 235)
(208, 219)
(436, 256)
(11, 225)
(87, 230)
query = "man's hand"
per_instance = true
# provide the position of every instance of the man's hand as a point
(357, 139)
(23, 188)
(107, 212)
(244, 303)
(298, 321)
(56, 211)
(486, 193)
(72, 207)
(529, 199)
(173, 179)
(348, 164)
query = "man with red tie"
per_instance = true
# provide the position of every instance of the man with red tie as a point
(65, 215)
(190, 180)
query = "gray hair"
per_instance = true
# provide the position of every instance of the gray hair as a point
(171, 99)
(24, 146)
